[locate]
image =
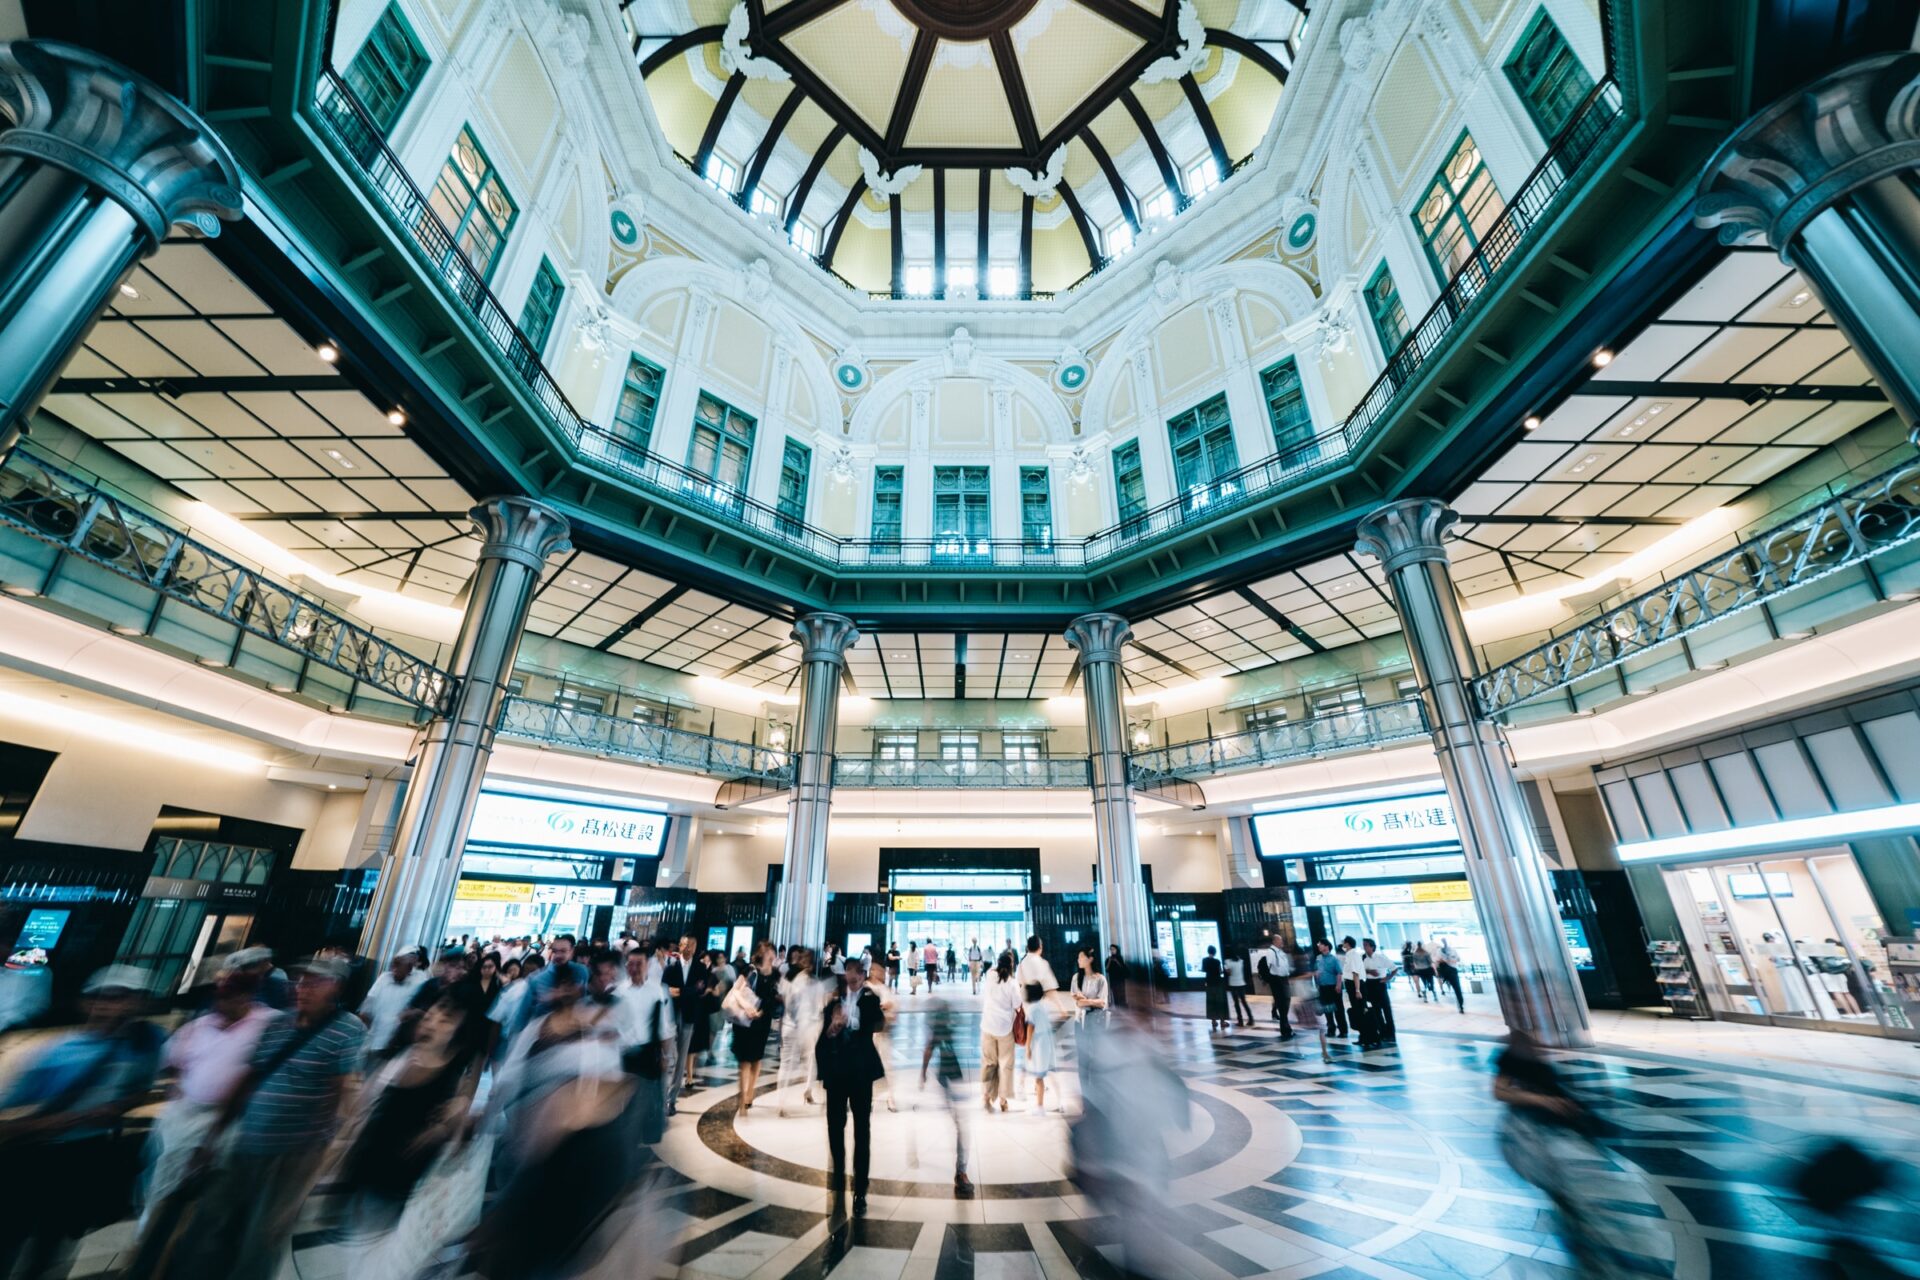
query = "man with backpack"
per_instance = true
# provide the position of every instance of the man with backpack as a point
(1275, 968)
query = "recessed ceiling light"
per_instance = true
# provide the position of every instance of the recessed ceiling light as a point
(1532, 423)
(1801, 298)
(128, 291)
(339, 458)
(398, 417)
(327, 352)
(1602, 358)
(901, 656)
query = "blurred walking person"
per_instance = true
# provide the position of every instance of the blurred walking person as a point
(849, 1064)
(1133, 1105)
(976, 960)
(1117, 975)
(802, 1003)
(943, 1044)
(1446, 963)
(1037, 982)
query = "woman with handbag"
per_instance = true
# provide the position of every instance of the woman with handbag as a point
(999, 1010)
(751, 1006)
(1036, 979)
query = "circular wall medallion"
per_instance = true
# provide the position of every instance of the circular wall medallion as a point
(965, 19)
(851, 377)
(1301, 231)
(624, 222)
(1071, 376)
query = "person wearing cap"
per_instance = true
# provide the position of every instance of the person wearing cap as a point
(273, 989)
(387, 1000)
(59, 1123)
(273, 1135)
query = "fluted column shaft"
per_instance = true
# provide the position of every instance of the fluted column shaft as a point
(1829, 177)
(1122, 900)
(422, 867)
(1538, 988)
(96, 163)
(800, 910)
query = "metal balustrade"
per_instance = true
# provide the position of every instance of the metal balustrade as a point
(577, 729)
(984, 773)
(1847, 529)
(344, 121)
(82, 520)
(1362, 727)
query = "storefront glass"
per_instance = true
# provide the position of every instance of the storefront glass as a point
(956, 909)
(1793, 938)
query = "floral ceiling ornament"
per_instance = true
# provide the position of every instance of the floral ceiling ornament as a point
(596, 326)
(887, 184)
(735, 56)
(1335, 334)
(1044, 182)
(756, 280)
(1190, 57)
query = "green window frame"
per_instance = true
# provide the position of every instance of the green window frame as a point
(1129, 480)
(1036, 509)
(1548, 76)
(639, 401)
(474, 205)
(889, 501)
(1389, 315)
(962, 514)
(388, 68)
(796, 464)
(1287, 408)
(1459, 206)
(721, 449)
(1203, 452)
(542, 307)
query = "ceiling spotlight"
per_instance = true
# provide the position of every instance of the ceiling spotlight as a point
(339, 458)
(128, 291)
(398, 417)
(1532, 423)
(1799, 299)
(1602, 358)
(327, 352)
(899, 657)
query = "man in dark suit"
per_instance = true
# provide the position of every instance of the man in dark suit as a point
(686, 980)
(848, 1065)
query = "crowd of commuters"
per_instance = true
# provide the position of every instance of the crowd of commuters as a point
(483, 1074)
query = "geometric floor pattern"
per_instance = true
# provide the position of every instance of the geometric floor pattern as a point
(1381, 1164)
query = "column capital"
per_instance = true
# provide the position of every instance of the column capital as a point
(825, 637)
(71, 108)
(1810, 148)
(1099, 636)
(521, 530)
(1406, 532)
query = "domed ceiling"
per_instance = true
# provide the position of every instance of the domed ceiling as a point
(965, 148)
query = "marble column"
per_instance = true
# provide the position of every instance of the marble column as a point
(1532, 972)
(1829, 178)
(800, 912)
(415, 891)
(1123, 914)
(96, 164)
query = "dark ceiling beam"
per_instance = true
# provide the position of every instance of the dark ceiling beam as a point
(1287, 624)
(985, 220)
(744, 663)
(1129, 17)
(1087, 236)
(180, 386)
(830, 102)
(939, 233)
(1015, 87)
(639, 619)
(798, 200)
(1198, 101)
(793, 16)
(896, 245)
(1249, 49)
(1169, 174)
(678, 45)
(764, 152)
(840, 223)
(1128, 209)
(1026, 245)
(314, 517)
(1164, 660)
(1574, 522)
(708, 140)
(1751, 392)
(919, 62)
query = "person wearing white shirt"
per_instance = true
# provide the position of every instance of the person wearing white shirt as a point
(1035, 979)
(1237, 989)
(801, 1011)
(1378, 967)
(1353, 972)
(1275, 967)
(997, 1007)
(645, 1027)
(976, 960)
(386, 1000)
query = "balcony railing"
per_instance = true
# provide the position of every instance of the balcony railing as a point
(987, 773)
(87, 523)
(1847, 529)
(576, 729)
(344, 121)
(1362, 727)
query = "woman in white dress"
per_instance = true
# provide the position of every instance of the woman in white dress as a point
(802, 1000)
(1036, 980)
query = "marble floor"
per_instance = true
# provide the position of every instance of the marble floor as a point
(1384, 1163)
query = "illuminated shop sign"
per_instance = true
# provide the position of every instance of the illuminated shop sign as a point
(1362, 895)
(971, 904)
(572, 895)
(1403, 822)
(539, 822)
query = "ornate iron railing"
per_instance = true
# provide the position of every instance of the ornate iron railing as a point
(1361, 727)
(1845, 530)
(986, 773)
(81, 519)
(576, 729)
(345, 121)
